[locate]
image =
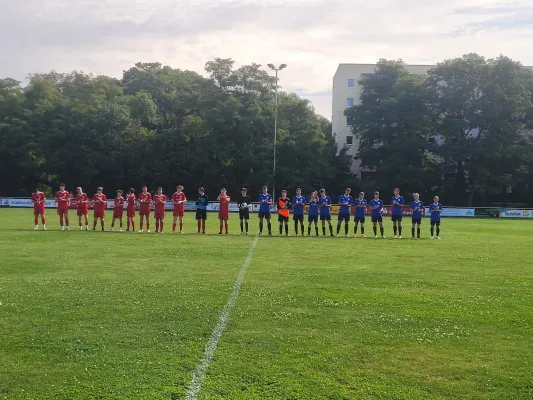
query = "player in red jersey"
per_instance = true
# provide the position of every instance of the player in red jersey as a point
(63, 201)
(145, 200)
(178, 199)
(100, 204)
(118, 210)
(159, 210)
(82, 201)
(38, 198)
(130, 213)
(223, 210)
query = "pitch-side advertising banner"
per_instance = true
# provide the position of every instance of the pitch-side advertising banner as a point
(516, 213)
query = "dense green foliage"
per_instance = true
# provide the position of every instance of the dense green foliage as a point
(459, 132)
(162, 126)
(92, 315)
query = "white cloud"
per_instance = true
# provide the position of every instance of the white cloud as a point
(311, 36)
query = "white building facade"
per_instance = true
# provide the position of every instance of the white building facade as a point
(346, 93)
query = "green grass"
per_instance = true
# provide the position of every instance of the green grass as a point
(92, 315)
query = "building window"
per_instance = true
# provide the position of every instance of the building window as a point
(349, 102)
(349, 121)
(349, 139)
(351, 82)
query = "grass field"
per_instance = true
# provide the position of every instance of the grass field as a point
(92, 315)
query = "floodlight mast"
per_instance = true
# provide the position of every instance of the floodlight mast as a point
(273, 67)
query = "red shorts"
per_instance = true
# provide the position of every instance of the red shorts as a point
(144, 211)
(39, 210)
(118, 212)
(62, 209)
(178, 212)
(130, 212)
(99, 213)
(159, 214)
(82, 211)
(223, 215)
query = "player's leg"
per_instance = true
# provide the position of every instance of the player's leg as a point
(395, 226)
(330, 226)
(381, 229)
(221, 224)
(438, 229)
(120, 221)
(246, 218)
(295, 219)
(355, 227)
(157, 222)
(181, 223)
(102, 221)
(241, 221)
(147, 222)
(226, 225)
(418, 229)
(400, 227)
(302, 223)
(43, 220)
(269, 223)
(61, 222)
(162, 222)
(113, 223)
(66, 220)
(287, 226)
(261, 216)
(323, 221)
(80, 218)
(86, 216)
(363, 227)
(413, 227)
(36, 219)
(309, 222)
(375, 227)
(141, 222)
(432, 229)
(316, 225)
(204, 218)
(95, 221)
(199, 221)
(346, 222)
(174, 222)
(339, 223)
(280, 221)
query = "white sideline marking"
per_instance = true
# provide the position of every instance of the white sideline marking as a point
(201, 369)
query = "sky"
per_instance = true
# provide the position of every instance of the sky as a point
(311, 36)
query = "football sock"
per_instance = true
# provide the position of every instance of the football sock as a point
(382, 231)
(261, 226)
(112, 223)
(221, 225)
(362, 229)
(246, 225)
(395, 229)
(418, 232)
(400, 230)
(102, 224)
(280, 229)
(331, 229)
(94, 224)
(157, 225)
(309, 230)
(129, 224)
(61, 220)
(316, 229)
(173, 227)
(286, 229)
(199, 225)
(133, 225)
(225, 226)
(338, 228)
(37, 221)
(413, 232)
(438, 230)
(302, 226)
(66, 221)
(203, 225)
(181, 226)
(43, 220)
(324, 230)
(432, 230)
(355, 229)
(148, 224)
(345, 228)
(141, 223)
(161, 225)
(296, 227)
(375, 231)
(242, 227)
(269, 228)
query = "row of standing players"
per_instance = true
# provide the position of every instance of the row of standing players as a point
(319, 206)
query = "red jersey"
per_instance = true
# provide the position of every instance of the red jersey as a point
(178, 199)
(145, 199)
(62, 198)
(223, 211)
(119, 202)
(131, 202)
(38, 199)
(82, 201)
(100, 202)
(160, 201)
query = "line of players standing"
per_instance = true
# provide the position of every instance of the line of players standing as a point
(319, 207)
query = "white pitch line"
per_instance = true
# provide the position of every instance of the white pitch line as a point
(203, 365)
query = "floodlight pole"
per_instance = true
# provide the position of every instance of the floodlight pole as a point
(271, 66)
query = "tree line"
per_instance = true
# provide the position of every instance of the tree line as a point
(460, 132)
(162, 126)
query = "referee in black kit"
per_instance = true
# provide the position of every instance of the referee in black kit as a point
(244, 210)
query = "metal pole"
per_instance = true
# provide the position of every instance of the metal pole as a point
(275, 138)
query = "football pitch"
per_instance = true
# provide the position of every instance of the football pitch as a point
(109, 315)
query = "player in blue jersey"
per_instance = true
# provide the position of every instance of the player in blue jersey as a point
(416, 207)
(298, 204)
(397, 205)
(360, 210)
(377, 215)
(435, 210)
(345, 202)
(324, 206)
(312, 214)
(265, 201)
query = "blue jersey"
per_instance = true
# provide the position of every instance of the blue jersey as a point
(377, 212)
(360, 207)
(201, 202)
(324, 201)
(435, 214)
(397, 208)
(313, 208)
(263, 202)
(417, 207)
(298, 205)
(345, 209)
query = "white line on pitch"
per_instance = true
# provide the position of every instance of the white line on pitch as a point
(201, 369)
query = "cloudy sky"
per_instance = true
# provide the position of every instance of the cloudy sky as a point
(311, 36)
